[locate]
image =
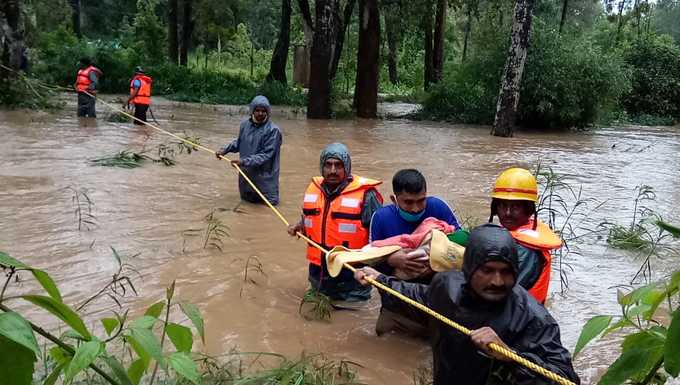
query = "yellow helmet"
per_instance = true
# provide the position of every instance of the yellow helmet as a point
(516, 184)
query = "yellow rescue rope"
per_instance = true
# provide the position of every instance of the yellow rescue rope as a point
(493, 346)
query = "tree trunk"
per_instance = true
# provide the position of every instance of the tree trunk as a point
(622, 4)
(12, 34)
(340, 36)
(438, 46)
(508, 98)
(366, 87)
(563, 18)
(75, 17)
(427, 28)
(319, 101)
(173, 48)
(277, 69)
(466, 36)
(187, 28)
(393, 30)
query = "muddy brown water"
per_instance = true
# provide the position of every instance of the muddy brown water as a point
(144, 211)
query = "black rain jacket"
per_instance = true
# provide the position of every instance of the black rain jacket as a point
(520, 321)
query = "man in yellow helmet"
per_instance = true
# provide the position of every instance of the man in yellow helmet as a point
(514, 199)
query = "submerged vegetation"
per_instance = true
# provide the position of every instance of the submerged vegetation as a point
(315, 306)
(212, 235)
(166, 153)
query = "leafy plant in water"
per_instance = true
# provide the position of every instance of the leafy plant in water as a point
(308, 370)
(167, 152)
(567, 212)
(253, 266)
(213, 233)
(315, 306)
(19, 349)
(118, 286)
(641, 235)
(117, 117)
(82, 208)
(651, 350)
(123, 159)
(422, 375)
(634, 236)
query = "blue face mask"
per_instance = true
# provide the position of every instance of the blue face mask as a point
(411, 217)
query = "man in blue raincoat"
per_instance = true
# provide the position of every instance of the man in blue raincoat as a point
(259, 147)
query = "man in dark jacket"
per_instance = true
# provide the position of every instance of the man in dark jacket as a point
(484, 298)
(259, 147)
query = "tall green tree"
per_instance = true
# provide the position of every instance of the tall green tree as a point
(277, 69)
(341, 23)
(319, 101)
(187, 29)
(508, 98)
(368, 58)
(391, 10)
(173, 47)
(75, 6)
(11, 34)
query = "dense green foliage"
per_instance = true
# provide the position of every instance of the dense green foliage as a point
(656, 78)
(569, 81)
(592, 66)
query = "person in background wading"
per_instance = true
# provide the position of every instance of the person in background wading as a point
(140, 94)
(87, 82)
(259, 147)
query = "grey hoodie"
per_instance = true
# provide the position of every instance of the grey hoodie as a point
(259, 148)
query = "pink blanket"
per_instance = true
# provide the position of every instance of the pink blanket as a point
(413, 240)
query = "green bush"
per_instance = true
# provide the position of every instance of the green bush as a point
(469, 91)
(568, 81)
(656, 78)
(59, 52)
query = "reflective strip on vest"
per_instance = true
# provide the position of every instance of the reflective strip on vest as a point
(349, 202)
(349, 228)
(311, 198)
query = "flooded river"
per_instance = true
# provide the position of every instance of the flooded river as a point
(145, 212)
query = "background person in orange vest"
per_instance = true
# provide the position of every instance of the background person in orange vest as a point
(337, 211)
(87, 79)
(140, 94)
(514, 199)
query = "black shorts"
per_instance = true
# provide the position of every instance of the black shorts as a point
(140, 112)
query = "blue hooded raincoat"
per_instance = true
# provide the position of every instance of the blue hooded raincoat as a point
(259, 148)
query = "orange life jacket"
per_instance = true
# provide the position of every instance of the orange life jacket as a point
(83, 78)
(144, 94)
(541, 239)
(336, 222)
